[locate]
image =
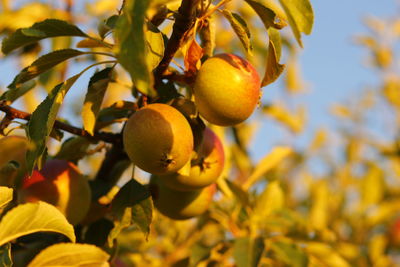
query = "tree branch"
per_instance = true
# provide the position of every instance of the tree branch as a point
(12, 113)
(184, 21)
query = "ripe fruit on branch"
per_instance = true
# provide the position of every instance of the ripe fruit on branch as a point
(227, 89)
(180, 205)
(61, 184)
(12, 148)
(158, 139)
(205, 169)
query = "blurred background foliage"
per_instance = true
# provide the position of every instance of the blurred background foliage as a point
(336, 202)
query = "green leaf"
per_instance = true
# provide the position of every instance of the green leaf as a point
(131, 48)
(238, 192)
(198, 253)
(107, 25)
(31, 218)
(117, 112)
(269, 13)
(94, 97)
(67, 254)
(300, 16)
(247, 251)
(5, 256)
(15, 93)
(38, 31)
(42, 64)
(123, 221)
(273, 69)
(240, 28)
(6, 195)
(155, 46)
(290, 254)
(73, 149)
(137, 198)
(42, 120)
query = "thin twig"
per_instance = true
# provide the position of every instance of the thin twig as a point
(13, 113)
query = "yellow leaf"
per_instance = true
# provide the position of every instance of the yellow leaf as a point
(31, 218)
(275, 157)
(294, 83)
(6, 195)
(319, 214)
(341, 111)
(294, 122)
(372, 186)
(391, 91)
(377, 247)
(382, 212)
(68, 254)
(272, 199)
(319, 140)
(326, 254)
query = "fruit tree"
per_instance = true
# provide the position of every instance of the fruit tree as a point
(126, 140)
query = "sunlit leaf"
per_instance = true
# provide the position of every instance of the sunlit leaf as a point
(294, 121)
(300, 16)
(38, 31)
(31, 218)
(94, 97)
(68, 254)
(131, 48)
(275, 37)
(391, 91)
(326, 254)
(193, 56)
(240, 28)
(372, 186)
(293, 81)
(267, 163)
(383, 212)
(377, 247)
(6, 195)
(271, 199)
(154, 45)
(42, 121)
(90, 43)
(319, 213)
(273, 69)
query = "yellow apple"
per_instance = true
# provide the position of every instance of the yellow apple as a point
(180, 205)
(205, 169)
(227, 89)
(158, 139)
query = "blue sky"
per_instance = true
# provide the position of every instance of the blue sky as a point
(331, 65)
